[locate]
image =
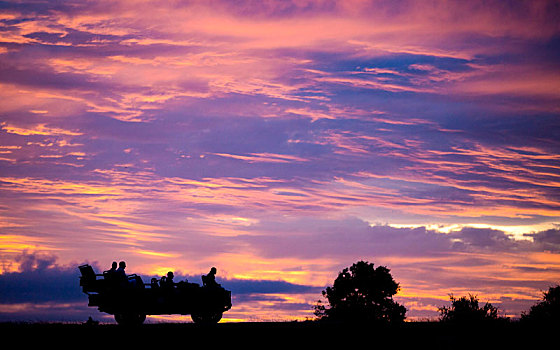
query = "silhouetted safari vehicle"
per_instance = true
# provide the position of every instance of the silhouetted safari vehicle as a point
(132, 301)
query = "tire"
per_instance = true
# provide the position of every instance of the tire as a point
(207, 318)
(130, 319)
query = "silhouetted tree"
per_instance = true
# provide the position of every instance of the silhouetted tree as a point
(467, 310)
(362, 293)
(547, 310)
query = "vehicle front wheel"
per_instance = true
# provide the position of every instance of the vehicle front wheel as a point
(207, 318)
(130, 319)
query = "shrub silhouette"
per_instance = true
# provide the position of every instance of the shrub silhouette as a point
(547, 310)
(362, 293)
(466, 309)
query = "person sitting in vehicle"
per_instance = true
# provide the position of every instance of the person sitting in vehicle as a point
(120, 275)
(209, 280)
(110, 274)
(113, 268)
(167, 282)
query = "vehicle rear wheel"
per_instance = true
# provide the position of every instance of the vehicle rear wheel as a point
(130, 319)
(207, 318)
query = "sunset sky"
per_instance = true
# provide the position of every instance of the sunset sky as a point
(280, 141)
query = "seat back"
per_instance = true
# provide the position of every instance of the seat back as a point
(88, 275)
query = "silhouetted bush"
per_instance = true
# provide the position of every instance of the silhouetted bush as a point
(363, 294)
(466, 310)
(546, 311)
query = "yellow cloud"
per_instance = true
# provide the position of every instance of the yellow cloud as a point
(39, 129)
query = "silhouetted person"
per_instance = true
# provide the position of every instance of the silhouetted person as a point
(209, 280)
(167, 282)
(120, 274)
(154, 283)
(110, 275)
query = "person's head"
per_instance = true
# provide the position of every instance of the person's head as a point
(213, 270)
(122, 264)
(170, 275)
(114, 265)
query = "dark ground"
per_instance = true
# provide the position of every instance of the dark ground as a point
(292, 335)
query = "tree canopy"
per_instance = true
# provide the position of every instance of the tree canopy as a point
(466, 309)
(362, 293)
(547, 310)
